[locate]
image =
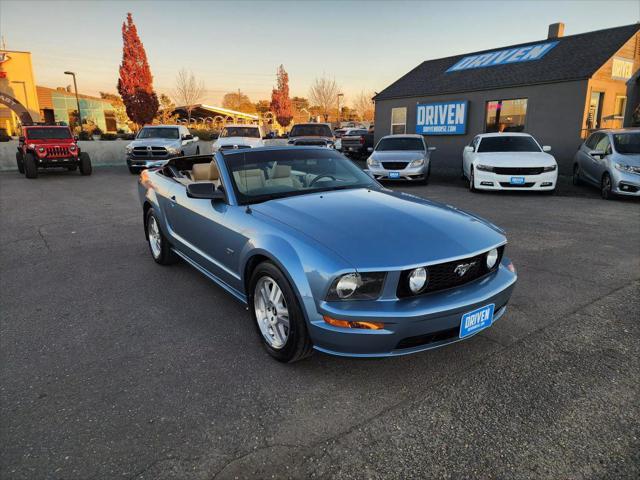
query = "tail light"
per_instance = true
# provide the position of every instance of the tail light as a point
(361, 140)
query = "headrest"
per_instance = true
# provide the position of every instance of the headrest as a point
(205, 171)
(281, 171)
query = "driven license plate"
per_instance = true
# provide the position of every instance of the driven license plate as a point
(394, 174)
(517, 181)
(479, 319)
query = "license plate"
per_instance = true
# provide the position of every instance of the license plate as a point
(517, 181)
(479, 319)
(394, 174)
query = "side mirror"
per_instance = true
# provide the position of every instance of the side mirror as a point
(431, 149)
(597, 153)
(546, 148)
(205, 190)
(370, 149)
(468, 149)
(22, 139)
(187, 137)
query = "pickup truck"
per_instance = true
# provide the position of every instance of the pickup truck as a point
(155, 145)
(356, 143)
(312, 134)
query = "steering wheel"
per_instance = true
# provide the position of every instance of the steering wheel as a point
(313, 182)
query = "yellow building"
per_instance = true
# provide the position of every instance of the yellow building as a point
(18, 95)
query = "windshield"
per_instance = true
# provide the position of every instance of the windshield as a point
(508, 143)
(627, 143)
(48, 133)
(388, 144)
(318, 130)
(155, 132)
(241, 132)
(261, 176)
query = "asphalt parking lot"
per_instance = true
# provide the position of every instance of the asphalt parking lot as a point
(114, 367)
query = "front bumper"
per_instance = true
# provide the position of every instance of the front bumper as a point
(624, 183)
(492, 181)
(415, 173)
(146, 163)
(52, 162)
(412, 324)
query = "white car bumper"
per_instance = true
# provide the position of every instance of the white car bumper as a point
(491, 181)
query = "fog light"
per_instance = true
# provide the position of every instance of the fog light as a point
(492, 258)
(487, 184)
(417, 280)
(355, 324)
(546, 184)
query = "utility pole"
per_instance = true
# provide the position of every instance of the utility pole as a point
(75, 87)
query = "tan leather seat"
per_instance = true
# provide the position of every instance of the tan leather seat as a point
(205, 172)
(248, 180)
(281, 175)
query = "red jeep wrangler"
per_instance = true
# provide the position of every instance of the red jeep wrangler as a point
(47, 146)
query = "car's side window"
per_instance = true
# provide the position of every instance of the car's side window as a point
(592, 141)
(604, 145)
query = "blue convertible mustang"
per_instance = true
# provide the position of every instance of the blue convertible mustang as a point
(325, 257)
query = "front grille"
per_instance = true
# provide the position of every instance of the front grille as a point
(320, 143)
(445, 275)
(58, 152)
(518, 170)
(149, 152)
(233, 147)
(515, 185)
(394, 165)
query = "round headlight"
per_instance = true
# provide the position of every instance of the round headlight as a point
(41, 149)
(417, 280)
(492, 258)
(348, 285)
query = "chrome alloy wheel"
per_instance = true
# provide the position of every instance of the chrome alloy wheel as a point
(271, 312)
(154, 237)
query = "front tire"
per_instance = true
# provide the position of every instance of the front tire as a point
(158, 244)
(20, 162)
(576, 180)
(85, 164)
(30, 167)
(605, 187)
(472, 180)
(277, 315)
(133, 171)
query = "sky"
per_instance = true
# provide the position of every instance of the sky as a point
(364, 46)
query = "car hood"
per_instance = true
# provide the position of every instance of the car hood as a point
(397, 156)
(380, 229)
(155, 142)
(627, 159)
(516, 159)
(252, 141)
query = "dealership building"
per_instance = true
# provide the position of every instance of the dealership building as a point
(558, 89)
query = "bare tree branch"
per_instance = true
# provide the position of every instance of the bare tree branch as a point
(189, 92)
(364, 106)
(324, 94)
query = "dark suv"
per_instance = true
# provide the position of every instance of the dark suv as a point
(312, 134)
(49, 146)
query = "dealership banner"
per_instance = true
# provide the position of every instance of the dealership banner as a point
(444, 118)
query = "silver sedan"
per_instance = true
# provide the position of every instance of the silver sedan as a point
(401, 157)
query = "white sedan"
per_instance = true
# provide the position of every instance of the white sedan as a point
(509, 161)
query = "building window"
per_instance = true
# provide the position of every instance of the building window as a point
(398, 121)
(620, 106)
(506, 115)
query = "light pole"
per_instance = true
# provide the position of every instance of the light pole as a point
(339, 95)
(75, 87)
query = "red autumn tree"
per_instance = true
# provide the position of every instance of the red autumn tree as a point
(136, 83)
(280, 101)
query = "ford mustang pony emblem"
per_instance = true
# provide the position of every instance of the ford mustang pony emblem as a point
(463, 268)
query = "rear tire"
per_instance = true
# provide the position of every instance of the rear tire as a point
(30, 167)
(158, 244)
(576, 180)
(20, 162)
(85, 164)
(297, 345)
